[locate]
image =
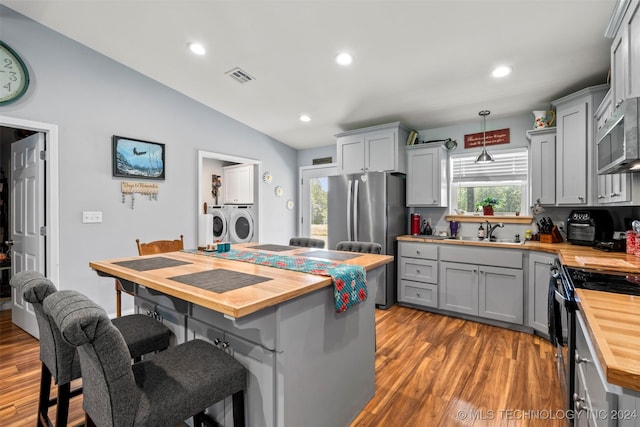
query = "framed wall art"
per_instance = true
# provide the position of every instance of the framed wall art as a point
(133, 158)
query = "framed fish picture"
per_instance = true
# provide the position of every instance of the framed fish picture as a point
(133, 158)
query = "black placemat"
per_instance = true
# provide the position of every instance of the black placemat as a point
(150, 263)
(334, 256)
(220, 280)
(275, 248)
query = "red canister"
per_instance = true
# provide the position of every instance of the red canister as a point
(631, 242)
(415, 224)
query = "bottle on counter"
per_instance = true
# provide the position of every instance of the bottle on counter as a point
(481, 232)
(528, 235)
(428, 230)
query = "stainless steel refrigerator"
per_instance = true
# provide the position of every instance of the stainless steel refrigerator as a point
(370, 208)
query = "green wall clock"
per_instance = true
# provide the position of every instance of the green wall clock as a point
(14, 77)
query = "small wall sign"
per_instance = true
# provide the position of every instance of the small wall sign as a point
(494, 137)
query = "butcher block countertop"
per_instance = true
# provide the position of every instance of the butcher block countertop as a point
(282, 286)
(613, 320)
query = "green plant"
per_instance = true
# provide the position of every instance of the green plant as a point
(488, 201)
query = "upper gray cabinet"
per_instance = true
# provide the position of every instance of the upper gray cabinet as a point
(376, 148)
(575, 169)
(624, 28)
(427, 175)
(542, 162)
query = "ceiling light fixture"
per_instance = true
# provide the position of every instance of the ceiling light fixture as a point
(196, 48)
(501, 71)
(484, 157)
(344, 59)
(305, 118)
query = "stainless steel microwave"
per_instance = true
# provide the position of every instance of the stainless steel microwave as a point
(618, 146)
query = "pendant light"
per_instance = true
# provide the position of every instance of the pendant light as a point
(484, 157)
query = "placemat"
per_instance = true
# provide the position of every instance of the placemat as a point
(220, 280)
(336, 256)
(274, 248)
(150, 263)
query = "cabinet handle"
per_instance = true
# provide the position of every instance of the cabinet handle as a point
(217, 341)
(601, 197)
(619, 103)
(225, 345)
(418, 252)
(581, 198)
(614, 195)
(580, 360)
(434, 202)
(417, 271)
(418, 294)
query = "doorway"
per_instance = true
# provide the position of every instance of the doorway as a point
(22, 314)
(313, 212)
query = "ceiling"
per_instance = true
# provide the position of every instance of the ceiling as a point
(425, 63)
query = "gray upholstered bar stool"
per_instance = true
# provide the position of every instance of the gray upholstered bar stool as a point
(362, 247)
(306, 242)
(162, 390)
(143, 335)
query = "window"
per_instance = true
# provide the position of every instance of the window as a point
(505, 179)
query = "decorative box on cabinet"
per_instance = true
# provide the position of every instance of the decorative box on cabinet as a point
(418, 273)
(542, 164)
(427, 175)
(575, 170)
(238, 184)
(372, 149)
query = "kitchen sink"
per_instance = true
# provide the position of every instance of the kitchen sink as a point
(499, 241)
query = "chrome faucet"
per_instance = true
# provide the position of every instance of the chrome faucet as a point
(491, 228)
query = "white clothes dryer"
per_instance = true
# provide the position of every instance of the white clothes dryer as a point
(221, 216)
(242, 227)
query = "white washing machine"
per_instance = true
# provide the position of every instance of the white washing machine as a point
(242, 226)
(221, 216)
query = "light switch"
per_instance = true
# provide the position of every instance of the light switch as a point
(91, 217)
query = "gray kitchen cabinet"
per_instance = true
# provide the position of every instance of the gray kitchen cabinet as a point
(427, 183)
(458, 288)
(537, 299)
(596, 401)
(501, 294)
(376, 148)
(238, 184)
(418, 274)
(542, 164)
(575, 170)
(624, 28)
(632, 24)
(484, 282)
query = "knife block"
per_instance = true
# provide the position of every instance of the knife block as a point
(553, 237)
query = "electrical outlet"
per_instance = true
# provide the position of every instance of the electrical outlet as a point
(91, 217)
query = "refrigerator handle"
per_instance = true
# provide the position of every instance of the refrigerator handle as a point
(349, 199)
(355, 212)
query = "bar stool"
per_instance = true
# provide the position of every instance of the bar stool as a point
(142, 335)
(306, 242)
(155, 247)
(163, 390)
(362, 247)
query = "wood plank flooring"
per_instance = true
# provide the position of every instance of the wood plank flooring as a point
(431, 370)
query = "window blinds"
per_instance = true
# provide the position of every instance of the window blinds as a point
(512, 165)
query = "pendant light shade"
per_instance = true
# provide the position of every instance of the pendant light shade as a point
(484, 156)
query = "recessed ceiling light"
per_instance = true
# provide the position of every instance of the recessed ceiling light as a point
(305, 118)
(196, 48)
(344, 59)
(501, 71)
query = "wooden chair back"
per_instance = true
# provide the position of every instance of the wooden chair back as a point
(160, 246)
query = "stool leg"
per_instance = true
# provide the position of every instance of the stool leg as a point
(62, 412)
(43, 399)
(238, 409)
(118, 299)
(88, 422)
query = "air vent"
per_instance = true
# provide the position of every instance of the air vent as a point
(239, 75)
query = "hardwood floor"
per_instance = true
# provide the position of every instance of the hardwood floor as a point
(431, 370)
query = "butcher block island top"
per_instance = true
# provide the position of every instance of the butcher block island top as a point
(278, 286)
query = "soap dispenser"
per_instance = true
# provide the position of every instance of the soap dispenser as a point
(481, 232)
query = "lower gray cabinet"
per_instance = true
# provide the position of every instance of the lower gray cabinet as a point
(418, 274)
(537, 317)
(500, 295)
(485, 291)
(458, 287)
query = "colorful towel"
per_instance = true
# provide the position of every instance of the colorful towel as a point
(349, 281)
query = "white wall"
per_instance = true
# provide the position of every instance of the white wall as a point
(91, 98)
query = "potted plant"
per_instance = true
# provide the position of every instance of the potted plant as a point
(487, 205)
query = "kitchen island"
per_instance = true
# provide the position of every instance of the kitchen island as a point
(307, 365)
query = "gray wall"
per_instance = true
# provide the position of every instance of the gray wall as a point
(91, 98)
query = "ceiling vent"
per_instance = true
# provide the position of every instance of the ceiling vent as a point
(239, 75)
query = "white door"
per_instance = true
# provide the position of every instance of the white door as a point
(313, 201)
(27, 216)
